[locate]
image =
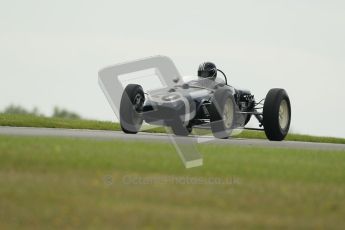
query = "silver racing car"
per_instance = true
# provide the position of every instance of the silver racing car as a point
(208, 102)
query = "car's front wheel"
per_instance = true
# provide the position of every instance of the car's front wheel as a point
(277, 114)
(131, 108)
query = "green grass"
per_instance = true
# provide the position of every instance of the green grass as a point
(57, 183)
(48, 122)
(20, 120)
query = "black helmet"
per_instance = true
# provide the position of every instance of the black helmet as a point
(207, 70)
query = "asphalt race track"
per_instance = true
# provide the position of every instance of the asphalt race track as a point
(111, 135)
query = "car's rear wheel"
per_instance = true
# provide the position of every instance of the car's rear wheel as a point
(131, 108)
(222, 114)
(277, 114)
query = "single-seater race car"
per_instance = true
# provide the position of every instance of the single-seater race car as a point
(205, 103)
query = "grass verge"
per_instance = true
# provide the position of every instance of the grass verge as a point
(57, 183)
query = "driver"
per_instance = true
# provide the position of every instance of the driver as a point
(207, 70)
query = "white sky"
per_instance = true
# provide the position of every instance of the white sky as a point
(51, 51)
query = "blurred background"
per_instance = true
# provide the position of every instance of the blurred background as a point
(51, 51)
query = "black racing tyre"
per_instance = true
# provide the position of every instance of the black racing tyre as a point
(131, 106)
(222, 113)
(276, 114)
